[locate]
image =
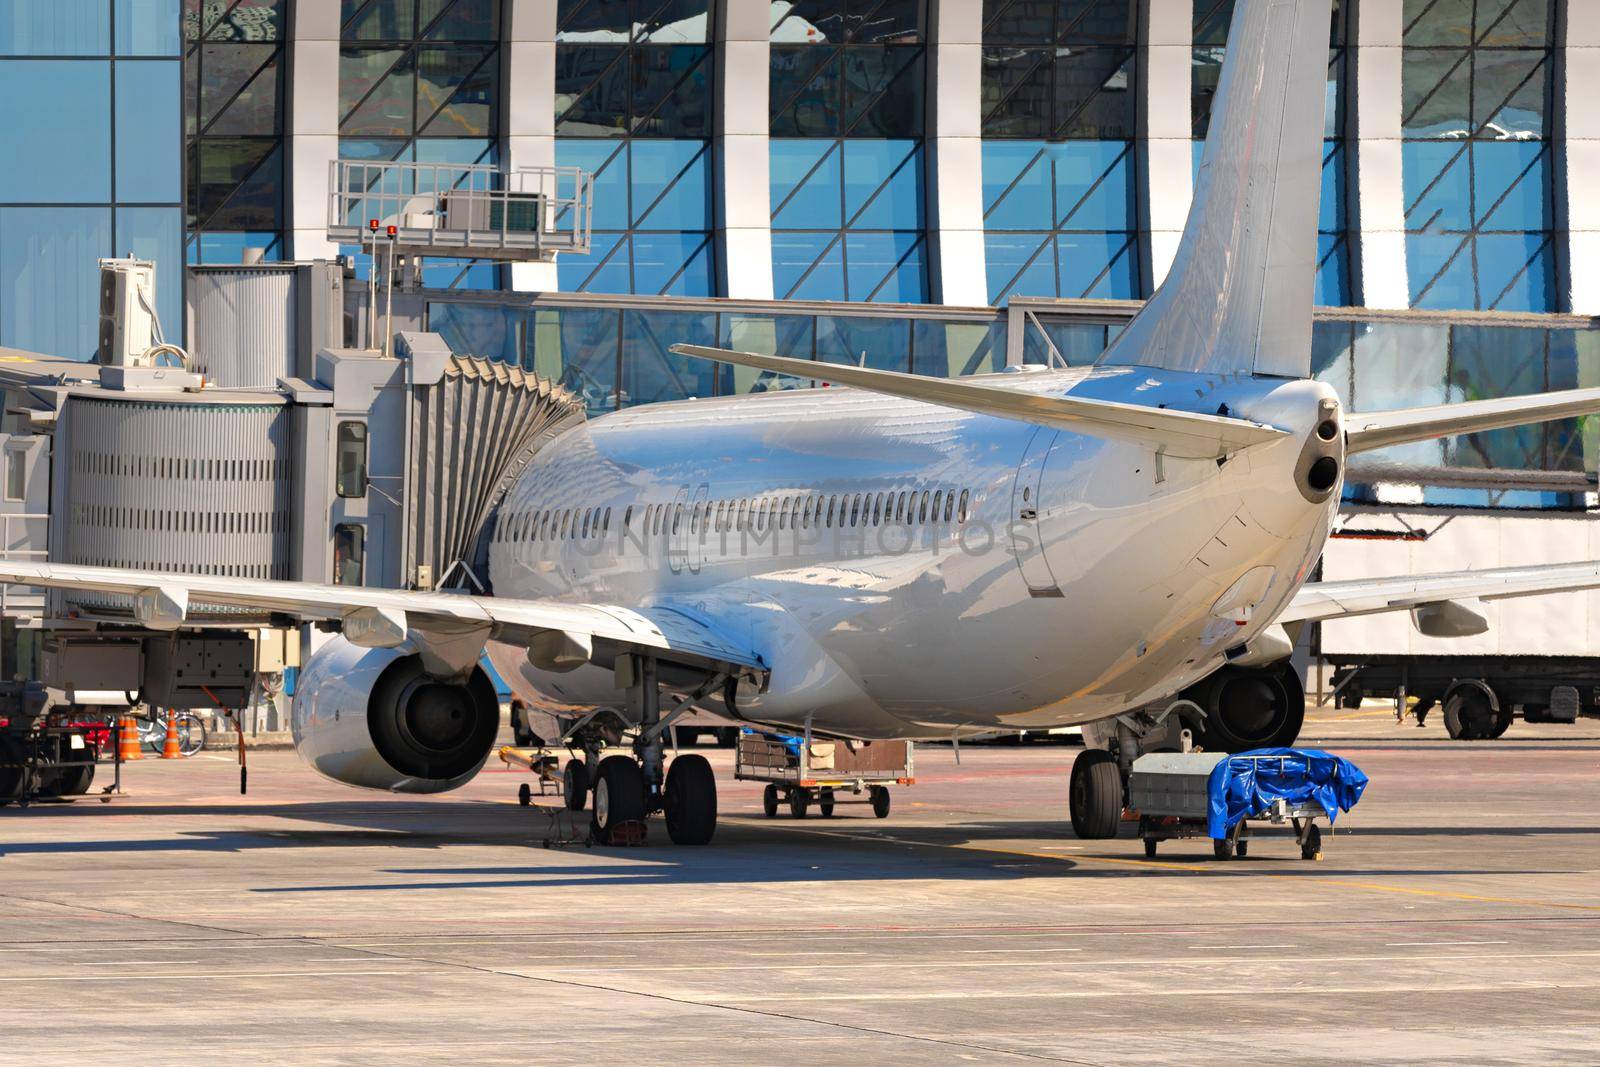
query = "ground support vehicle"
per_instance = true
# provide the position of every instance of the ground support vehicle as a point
(1479, 696)
(1170, 791)
(801, 772)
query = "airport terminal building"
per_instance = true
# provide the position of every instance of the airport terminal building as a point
(924, 185)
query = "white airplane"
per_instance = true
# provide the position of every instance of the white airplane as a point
(909, 557)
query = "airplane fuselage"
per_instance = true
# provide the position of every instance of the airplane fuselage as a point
(908, 570)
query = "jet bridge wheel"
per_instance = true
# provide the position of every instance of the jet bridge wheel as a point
(690, 801)
(1096, 795)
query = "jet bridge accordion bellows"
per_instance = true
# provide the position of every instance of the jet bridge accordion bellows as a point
(473, 432)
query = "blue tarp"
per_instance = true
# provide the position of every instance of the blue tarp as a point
(1240, 787)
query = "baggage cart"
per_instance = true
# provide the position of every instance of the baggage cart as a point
(1169, 790)
(801, 772)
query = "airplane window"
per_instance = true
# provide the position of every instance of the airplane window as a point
(922, 511)
(605, 522)
(938, 499)
(738, 522)
(900, 514)
(677, 517)
(627, 517)
(949, 504)
(813, 506)
(855, 510)
(585, 527)
(694, 519)
(794, 516)
(544, 525)
(963, 506)
(833, 503)
(877, 508)
(783, 514)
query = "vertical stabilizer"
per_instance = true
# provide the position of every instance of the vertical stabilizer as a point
(1239, 297)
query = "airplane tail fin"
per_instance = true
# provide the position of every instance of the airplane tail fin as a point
(1238, 298)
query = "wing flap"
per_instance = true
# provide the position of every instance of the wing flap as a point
(1322, 601)
(659, 629)
(1179, 433)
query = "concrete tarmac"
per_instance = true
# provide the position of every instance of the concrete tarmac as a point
(1454, 919)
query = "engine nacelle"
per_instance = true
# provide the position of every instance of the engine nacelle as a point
(373, 717)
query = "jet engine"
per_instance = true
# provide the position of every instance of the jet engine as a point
(373, 717)
(1250, 708)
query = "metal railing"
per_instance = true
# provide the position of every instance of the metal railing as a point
(465, 210)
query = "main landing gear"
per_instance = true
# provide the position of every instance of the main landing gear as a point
(622, 791)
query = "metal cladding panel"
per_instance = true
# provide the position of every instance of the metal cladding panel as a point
(244, 326)
(474, 432)
(202, 488)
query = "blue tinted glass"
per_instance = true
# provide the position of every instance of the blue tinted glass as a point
(807, 266)
(886, 342)
(805, 182)
(1331, 211)
(678, 264)
(149, 132)
(49, 280)
(608, 162)
(1438, 185)
(649, 372)
(1097, 265)
(1019, 264)
(54, 28)
(578, 347)
(1016, 185)
(1515, 272)
(64, 130)
(156, 234)
(671, 185)
(1440, 266)
(1511, 180)
(488, 332)
(1094, 185)
(149, 27)
(883, 185)
(1333, 271)
(460, 274)
(884, 267)
(230, 247)
(604, 270)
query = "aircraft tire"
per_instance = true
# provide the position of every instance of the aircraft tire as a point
(618, 795)
(690, 801)
(1096, 795)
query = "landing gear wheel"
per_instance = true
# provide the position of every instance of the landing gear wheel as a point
(690, 801)
(618, 795)
(880, 801)
(575, 785)
(825, 803)
(799, 801)
(769, 801)
(524, 794)
(1468, 715)
(1096, 795)
(1311, 847)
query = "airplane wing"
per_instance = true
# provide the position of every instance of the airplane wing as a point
(1380, 429)
(1180, 433)
(1370, 596)
(454, 624)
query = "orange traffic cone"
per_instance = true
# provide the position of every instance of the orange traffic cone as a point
(128, 739)
(170, 750)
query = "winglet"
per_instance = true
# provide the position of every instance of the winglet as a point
(1181, 434)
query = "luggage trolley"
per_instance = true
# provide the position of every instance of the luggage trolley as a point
(1170, 791)
(799, 772)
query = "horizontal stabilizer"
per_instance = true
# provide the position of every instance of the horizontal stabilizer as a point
(1380, 429)
(1370, 596)
(1179, 433)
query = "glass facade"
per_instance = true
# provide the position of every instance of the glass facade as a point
(233, 104)
(847, 105)
(633, 106)
(93, 124)
(419, 82)
(1212, 20)
(1059, 205)
(1477, 78)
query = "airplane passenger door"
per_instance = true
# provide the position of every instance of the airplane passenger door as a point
(698, 534)
(678, 531)
(1026, 540)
